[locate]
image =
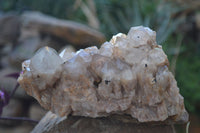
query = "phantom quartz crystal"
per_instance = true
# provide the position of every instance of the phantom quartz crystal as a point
(127, 75)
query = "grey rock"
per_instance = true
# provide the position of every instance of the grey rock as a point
(10, 29)
(19, 129)
(9, 83)
(25, 50)
(69, 31)
(36, 112)
(13, 109)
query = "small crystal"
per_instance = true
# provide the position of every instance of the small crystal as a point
(25, 65)
(67, 53)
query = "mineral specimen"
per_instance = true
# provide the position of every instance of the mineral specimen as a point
(128, 75)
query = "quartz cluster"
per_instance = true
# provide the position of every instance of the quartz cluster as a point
(127, 75)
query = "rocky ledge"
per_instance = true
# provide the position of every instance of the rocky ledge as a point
(128, 75)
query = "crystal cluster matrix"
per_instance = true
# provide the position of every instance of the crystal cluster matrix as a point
(128, 75)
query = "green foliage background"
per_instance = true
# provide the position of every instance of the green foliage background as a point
(118, 16)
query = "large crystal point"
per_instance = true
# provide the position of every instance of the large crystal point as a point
(45, 60)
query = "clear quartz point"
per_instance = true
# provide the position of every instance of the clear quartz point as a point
(46, 60)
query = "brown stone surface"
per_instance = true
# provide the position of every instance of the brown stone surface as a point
(72, 32)
(128, 75)
(52, 123)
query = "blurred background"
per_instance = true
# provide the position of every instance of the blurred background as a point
(26, 26)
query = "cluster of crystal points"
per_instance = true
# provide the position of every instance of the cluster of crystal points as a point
(128, 75)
